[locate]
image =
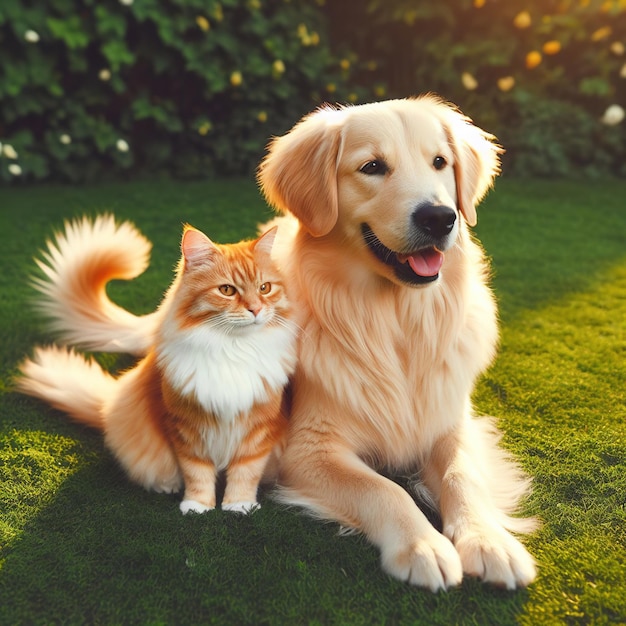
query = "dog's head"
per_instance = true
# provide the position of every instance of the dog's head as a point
(392, 179)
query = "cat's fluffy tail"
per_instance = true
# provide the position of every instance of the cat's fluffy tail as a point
(122, 408)
(77, 265)
(68, 382)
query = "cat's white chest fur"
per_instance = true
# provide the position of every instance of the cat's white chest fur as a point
(228, 373)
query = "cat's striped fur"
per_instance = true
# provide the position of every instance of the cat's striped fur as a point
(208, 395)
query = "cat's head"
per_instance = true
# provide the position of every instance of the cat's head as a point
(229, 287)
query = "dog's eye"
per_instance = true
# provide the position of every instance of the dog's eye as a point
(439, 162)
(374, 168)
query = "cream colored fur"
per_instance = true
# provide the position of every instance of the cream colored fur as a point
(386, 370)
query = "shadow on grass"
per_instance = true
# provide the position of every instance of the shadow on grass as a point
(104, 551)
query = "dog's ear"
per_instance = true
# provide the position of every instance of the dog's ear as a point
(476, 159)
(299, 173)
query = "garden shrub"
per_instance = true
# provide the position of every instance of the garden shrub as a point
(94, 89)
(90, 89)
(540, 74)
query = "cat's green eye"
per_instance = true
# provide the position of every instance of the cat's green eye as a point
(227, 290)
(265, 288)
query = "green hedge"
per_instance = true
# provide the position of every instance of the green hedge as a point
(540, 74)
(96, 89)
(91, 89)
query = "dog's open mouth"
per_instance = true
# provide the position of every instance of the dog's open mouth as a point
(416, 268)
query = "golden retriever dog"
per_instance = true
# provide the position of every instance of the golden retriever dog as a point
(397, 322)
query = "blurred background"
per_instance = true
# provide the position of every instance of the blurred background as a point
(94, 90)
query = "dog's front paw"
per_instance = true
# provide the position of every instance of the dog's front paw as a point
(495, 556)
(192, 506)
(430, 562)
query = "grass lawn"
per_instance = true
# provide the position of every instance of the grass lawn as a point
(79, 544)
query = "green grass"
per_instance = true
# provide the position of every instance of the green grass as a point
(80, 544)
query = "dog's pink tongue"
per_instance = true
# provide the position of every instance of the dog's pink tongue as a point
(426, 262)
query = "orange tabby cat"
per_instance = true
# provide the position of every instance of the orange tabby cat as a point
(207, 397)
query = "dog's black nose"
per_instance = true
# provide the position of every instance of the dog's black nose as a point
(435, 220)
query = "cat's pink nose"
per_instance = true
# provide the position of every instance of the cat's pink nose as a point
(255, 309)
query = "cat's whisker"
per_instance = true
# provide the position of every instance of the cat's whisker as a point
(288, 324)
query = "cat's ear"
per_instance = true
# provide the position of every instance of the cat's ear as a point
(197, 248)
(265, 242)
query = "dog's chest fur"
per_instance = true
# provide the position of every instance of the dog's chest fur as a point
(400, 362)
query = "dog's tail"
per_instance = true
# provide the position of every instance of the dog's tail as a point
(69, 382)
(77, 266)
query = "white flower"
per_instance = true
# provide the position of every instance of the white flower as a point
(31, 36)
(613, 115)
(469, 82)
(15, 169)
(9, 151)
(617, 48)
(104, 75)
(65, 139)
(122, 145)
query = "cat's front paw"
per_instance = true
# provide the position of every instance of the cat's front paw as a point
(241, 507)
(191, 506)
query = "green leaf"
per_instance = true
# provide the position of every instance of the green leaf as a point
(117, 54)
(14, 80)
(70, 30)
(108, 23)
(143, 108)
(595, 86)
